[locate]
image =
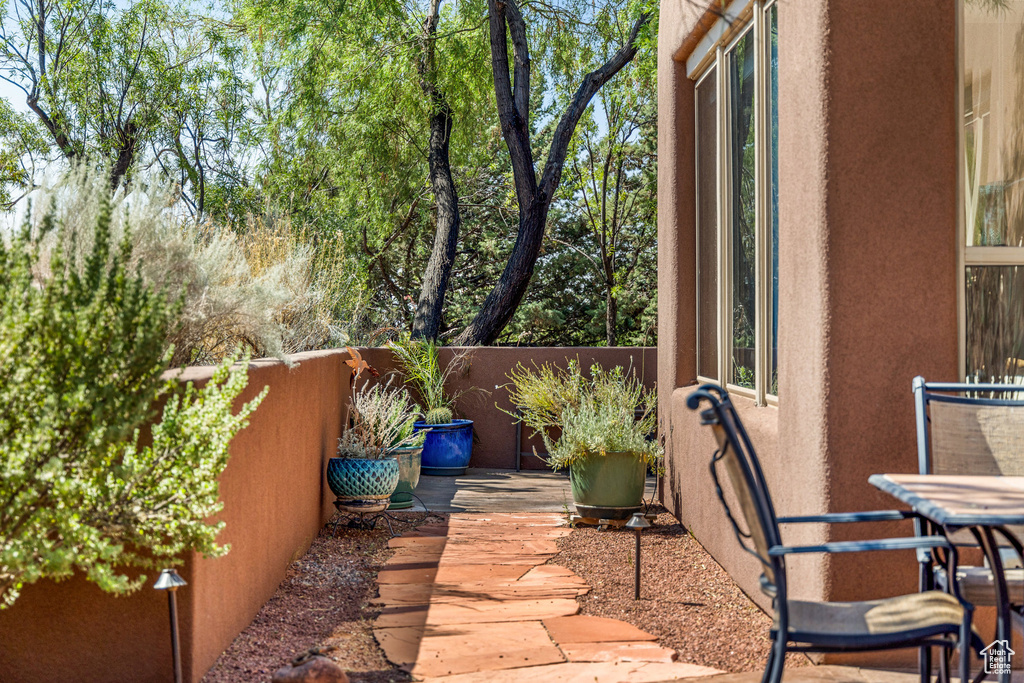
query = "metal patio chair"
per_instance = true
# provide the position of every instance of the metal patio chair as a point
(921, 620)
(972, 429)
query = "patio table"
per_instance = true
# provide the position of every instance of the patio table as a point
(953, 502)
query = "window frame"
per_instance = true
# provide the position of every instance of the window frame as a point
(711, 71)
(712, 55)
(968, 256)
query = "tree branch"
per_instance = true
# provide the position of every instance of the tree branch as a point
(592, 82)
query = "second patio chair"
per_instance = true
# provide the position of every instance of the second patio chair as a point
(920, 620)
(972, 429)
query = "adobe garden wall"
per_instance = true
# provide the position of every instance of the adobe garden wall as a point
(486, 368)
(276, 500)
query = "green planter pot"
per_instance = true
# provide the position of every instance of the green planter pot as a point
(409, 459)
(609, 486)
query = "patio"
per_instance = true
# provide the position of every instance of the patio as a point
(476, 601)
(446, 597)
(484, 597)
(499, 490)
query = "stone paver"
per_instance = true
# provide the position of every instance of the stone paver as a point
(585, 672)
(475, 601)
(823, 674)
(473, 648)
(618, 652)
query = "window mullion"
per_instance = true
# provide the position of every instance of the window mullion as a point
(760, 223)
(961, 223)
(724, 237)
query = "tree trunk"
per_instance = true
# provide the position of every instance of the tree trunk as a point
(500, 305)
(534, 197)
(127, 140)
(611, 314)
(430, 307)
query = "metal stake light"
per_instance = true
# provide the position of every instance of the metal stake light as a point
(637, 523)
(170, 581)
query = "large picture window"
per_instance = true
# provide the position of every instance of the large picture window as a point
(737, 201)
(992, 190)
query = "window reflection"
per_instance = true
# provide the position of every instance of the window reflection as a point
(992, 173)
(707, 226)
(744, 209)
(993, 101)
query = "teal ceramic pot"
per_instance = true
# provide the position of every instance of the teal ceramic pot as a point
(408, 476)
(362, 479)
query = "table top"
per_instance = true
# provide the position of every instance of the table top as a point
(958, 500)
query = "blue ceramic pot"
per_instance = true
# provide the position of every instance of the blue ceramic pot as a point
(361, 478)
(447, 448)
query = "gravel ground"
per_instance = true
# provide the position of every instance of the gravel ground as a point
(686, 598)
(321, 602)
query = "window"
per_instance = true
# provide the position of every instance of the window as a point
(992, 190)
(737, 201)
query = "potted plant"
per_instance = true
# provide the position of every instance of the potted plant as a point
(381, 427)
(605, 423)
(408, 453)
(449, 441)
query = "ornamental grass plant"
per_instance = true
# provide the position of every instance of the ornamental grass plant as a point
(266, 286)
(419, 363)
(609, 411)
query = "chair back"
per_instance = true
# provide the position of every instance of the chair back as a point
(737, 457)
(969, 428)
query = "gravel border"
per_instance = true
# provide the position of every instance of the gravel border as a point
(322, 602)
(686, 598)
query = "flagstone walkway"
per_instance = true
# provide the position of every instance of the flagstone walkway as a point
(475, 601)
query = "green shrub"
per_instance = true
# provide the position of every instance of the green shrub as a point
(596, 415)
(82, 358)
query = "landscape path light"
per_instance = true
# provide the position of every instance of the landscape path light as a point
(637, 523)
(170, 581)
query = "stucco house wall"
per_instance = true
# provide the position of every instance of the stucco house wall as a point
(867, 272)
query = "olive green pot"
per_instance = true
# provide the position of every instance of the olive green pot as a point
(409, 460)
(609, 486)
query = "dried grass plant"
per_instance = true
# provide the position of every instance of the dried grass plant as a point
(383, 419)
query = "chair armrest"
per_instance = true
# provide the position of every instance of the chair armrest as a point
(861, 546)
(842, 517)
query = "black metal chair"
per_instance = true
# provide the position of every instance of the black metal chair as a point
(920, 620)
(972, 429)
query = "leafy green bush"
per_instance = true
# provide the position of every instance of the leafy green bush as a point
(82, 357)
(596, 415)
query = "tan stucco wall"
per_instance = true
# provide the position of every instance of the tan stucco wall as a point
(275, 501)
(867, 261)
